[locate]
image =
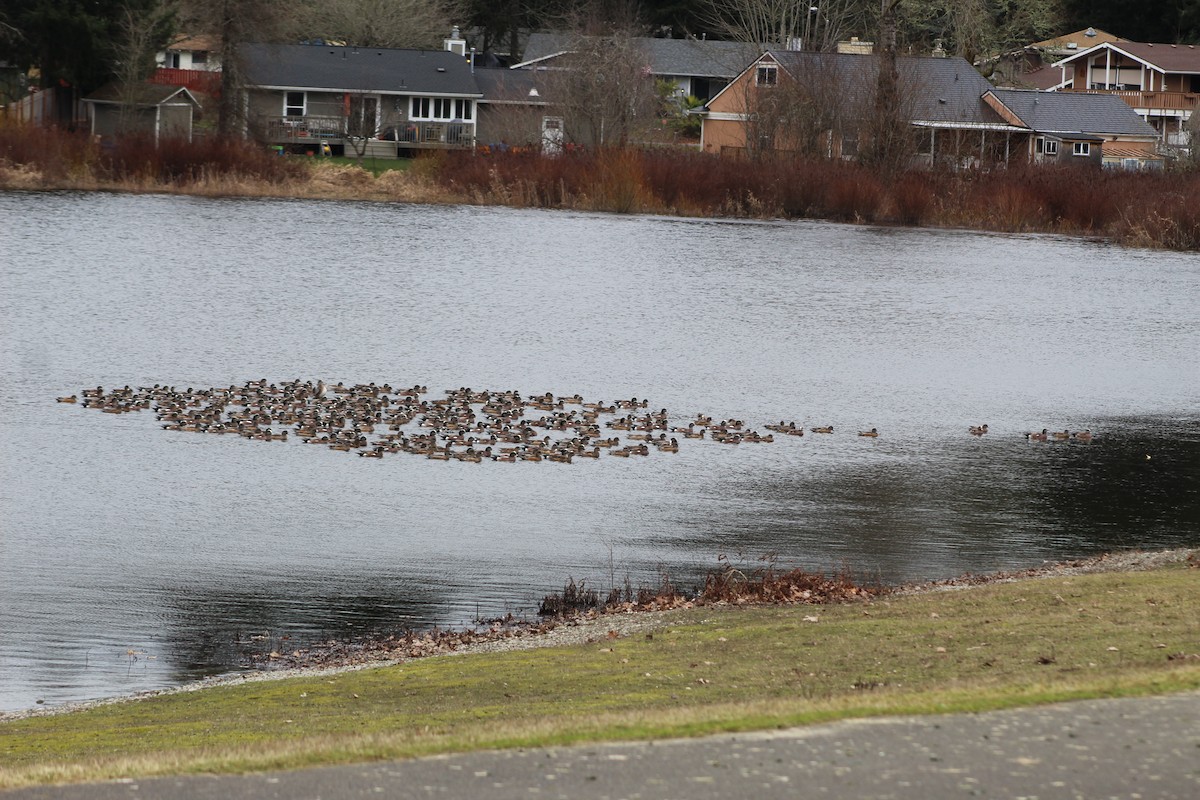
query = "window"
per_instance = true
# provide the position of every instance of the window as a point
(766, 76)
(1051, 147)
(1083, 148)
(199, 58)
(462, 109)
(293, 104)
(436, 108)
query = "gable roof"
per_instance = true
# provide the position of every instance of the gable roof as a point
(511, 87)
(1183, 58)
(1044, 78)
(142, 94)
(1079, 40)
(944, 91)
(1070, 112)
(357, 69)
(699, 58)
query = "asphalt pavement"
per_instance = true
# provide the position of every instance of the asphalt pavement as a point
(1125, 748)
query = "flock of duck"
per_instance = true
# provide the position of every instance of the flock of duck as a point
(465, 425)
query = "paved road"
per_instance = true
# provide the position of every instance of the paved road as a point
(1128, 748)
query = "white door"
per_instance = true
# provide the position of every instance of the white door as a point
(552, 135)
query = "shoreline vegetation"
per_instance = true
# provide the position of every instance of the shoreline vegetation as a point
(751, 651)
(1137, 209)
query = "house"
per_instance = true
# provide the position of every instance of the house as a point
(1069, 128)
(834, 95)
(155, 109)
(191, 61)
(1161, 82)
(1030, 67)
(385, 101)
(191, 52)
(515, 111)
(698, 67)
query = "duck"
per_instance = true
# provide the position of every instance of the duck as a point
(871, 433)
(824, 429)
(978, 430)
(1038, 437)
(70, 399)
(1083, 436)
(1061, 436)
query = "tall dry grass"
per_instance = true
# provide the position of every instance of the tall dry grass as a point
(1142, 209)
(76, 159)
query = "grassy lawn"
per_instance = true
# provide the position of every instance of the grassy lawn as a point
(709, 670)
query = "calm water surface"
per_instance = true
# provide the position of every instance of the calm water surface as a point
(134, 558)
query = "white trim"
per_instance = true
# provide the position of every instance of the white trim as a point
(406, 92)
(540, 59)
(726, 116)
(986, 126)
(1110, 46)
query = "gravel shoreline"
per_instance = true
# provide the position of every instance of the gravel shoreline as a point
(595, 627)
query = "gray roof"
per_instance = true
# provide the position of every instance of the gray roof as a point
(141, 94)
(701, 58)
(518, 86)
(1074, 112)
(357, 69)
(939, 90)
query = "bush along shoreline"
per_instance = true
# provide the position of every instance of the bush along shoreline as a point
(1140, 209)
(742, 585)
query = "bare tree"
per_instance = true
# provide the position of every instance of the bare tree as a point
(805, 25)
(889, 139)
(976, 28)
(604, 89)
(381, 23)
(234, 23)
(142, 32)
(800, 108)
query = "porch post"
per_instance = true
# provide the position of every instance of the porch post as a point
(1107, 67)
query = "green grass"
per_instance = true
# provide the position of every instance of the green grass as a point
(710, 670)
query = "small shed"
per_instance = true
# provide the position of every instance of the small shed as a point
(162, 111)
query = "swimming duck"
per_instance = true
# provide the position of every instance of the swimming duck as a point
(824, 429)
(1083, 436)
(1038, 437)
(70, 399)
(979, 430)
(871, 433)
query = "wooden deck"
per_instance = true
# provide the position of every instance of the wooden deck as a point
(1153, 101)
(333, 130)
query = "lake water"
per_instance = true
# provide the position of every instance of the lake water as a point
(134, 558)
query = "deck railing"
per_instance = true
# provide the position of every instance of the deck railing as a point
(290, 129)
(195, 79)
(1155, 100)
(419, 134)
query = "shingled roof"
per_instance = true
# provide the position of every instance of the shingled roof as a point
(141, 94)
(1071, 112)
(357, 69)
(1181, 58)
(940, 91)
(699, 58)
